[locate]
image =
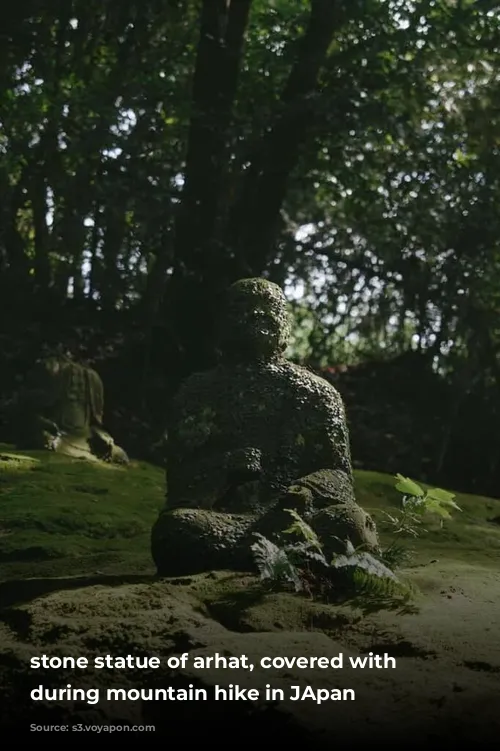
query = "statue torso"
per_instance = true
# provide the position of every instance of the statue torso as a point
(69, 394)
(227, 417)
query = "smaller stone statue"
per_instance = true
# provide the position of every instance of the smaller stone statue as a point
(250, 439)
(61, 409)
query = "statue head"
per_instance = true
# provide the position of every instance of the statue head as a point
(256, 323)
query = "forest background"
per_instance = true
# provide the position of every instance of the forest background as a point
(153, 152)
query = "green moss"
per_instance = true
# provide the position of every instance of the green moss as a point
(470, 536)
(10, 462)
(61, 515)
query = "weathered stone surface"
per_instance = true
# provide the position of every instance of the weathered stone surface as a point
(61, 409)
(242, 435)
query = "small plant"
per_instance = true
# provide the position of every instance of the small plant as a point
(287, 564)
(274, 564)
(302, 529)
(396, 556)
(356, 576)
(416, 505)
(365, 561)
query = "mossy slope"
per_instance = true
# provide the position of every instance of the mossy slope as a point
(81, 525)
(62, 516)
(472, 535)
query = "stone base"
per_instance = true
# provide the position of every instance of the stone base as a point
(190, 541)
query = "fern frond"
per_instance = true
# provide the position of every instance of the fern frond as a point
(273, 563)
(374, 593)
(302, 529)
(365, 561)
(303, 552)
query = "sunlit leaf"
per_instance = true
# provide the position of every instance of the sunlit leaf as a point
(408, 487)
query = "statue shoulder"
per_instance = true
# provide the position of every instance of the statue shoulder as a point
(92, 375)
(313, 384)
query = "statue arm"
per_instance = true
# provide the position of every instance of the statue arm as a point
(195, 483)
(202, 480)
(329, 480)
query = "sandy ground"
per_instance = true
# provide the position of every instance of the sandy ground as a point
(446, 684)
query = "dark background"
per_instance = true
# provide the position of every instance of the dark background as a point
(151, 153)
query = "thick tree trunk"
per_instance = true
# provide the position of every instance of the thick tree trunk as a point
(201, 261)
(207, 255)
(43, 276)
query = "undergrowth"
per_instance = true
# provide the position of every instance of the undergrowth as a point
(367, 581)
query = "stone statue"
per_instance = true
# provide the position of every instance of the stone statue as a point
(61, 409)
(249, 439)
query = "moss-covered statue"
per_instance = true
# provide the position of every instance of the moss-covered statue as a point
(249, 439)
(61, 409)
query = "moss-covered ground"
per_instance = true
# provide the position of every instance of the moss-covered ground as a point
(65, 517)
(66, 520)
(62, 516)
(75, 567)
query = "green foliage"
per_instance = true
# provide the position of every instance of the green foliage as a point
(403, 522)
(440, 502)
(274, 564)
(302, 529)
(413, 96)
(375, 593)
(396, 556)
(386, 215)
(417, 504)
(357, 576)
(433, 501)
(366, 580)
(408, 487)
(363, 560)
